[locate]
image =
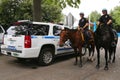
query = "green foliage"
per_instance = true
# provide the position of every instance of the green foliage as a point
(58, 3)
(51, 12)
(14, 10)
(94, 16)
(64, 3)
(115, 13)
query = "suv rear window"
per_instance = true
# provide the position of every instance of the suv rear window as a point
(33, 29)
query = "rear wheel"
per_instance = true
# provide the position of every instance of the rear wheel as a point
(46, 57)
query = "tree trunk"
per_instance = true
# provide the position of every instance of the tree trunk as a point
(37, 10)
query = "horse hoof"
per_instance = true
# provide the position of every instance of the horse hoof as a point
(92, 59)
(113, 61)
(88, 59)
(80, 65)
(109, 61)
(75, 63)
(106, 68)
(97, 66)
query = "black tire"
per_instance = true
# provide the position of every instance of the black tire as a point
(46, 57)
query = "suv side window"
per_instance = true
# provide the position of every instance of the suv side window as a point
(39, 29)
(34, 29)
(56, 30)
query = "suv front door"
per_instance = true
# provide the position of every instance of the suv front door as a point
(66, 48)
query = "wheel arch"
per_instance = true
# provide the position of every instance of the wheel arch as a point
(48, 46)
(44, 48)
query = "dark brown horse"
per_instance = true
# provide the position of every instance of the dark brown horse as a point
(77, 41)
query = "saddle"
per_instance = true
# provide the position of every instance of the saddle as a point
(90, 36)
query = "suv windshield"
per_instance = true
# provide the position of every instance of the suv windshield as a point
(33, 29)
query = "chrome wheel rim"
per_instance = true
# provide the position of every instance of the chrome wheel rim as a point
(47, 57)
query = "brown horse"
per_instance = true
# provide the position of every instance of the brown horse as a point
(77, 41)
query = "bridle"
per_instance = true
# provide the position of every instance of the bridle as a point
(65, 35)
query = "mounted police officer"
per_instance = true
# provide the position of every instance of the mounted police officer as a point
(83, 25)
(107, 20)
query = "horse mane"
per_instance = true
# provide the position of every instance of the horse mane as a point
(71, 29)
(102, 28)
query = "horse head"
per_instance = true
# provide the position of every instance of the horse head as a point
(63, 36)
(103, 32)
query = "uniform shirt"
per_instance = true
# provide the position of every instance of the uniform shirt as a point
(105, 18)
(82, 22)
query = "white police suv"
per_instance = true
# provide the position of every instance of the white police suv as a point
(34, 40)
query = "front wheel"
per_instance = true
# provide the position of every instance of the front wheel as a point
(46, 57)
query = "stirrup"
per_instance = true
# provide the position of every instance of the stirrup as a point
(113, 44)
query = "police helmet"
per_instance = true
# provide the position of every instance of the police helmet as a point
(104, 10)
(81, 13)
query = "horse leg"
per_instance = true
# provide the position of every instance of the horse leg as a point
(106, 58)
(113, 61)
(89, 57)
(76, 57)
(80, 54)
(93, 50)
(110, 54)
(98, 58)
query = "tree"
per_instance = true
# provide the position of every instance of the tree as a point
(115, 13)
(50, 12)
(64, 3)
(94, 16)
(14, 10)
(37, 10)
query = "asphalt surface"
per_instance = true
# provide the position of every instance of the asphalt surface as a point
(61, 69)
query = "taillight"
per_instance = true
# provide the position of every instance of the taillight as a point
(27, 41)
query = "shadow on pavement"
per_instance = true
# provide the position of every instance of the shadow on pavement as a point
(33, 63)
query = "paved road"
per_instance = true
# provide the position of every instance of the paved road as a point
(62, 69)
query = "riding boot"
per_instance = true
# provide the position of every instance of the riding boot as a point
(85, 42)
(114, 37)
(115, 34)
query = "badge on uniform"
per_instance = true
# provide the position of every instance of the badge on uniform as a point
(106, 16)
(82, 20)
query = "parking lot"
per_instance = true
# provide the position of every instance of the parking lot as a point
(61, 69)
